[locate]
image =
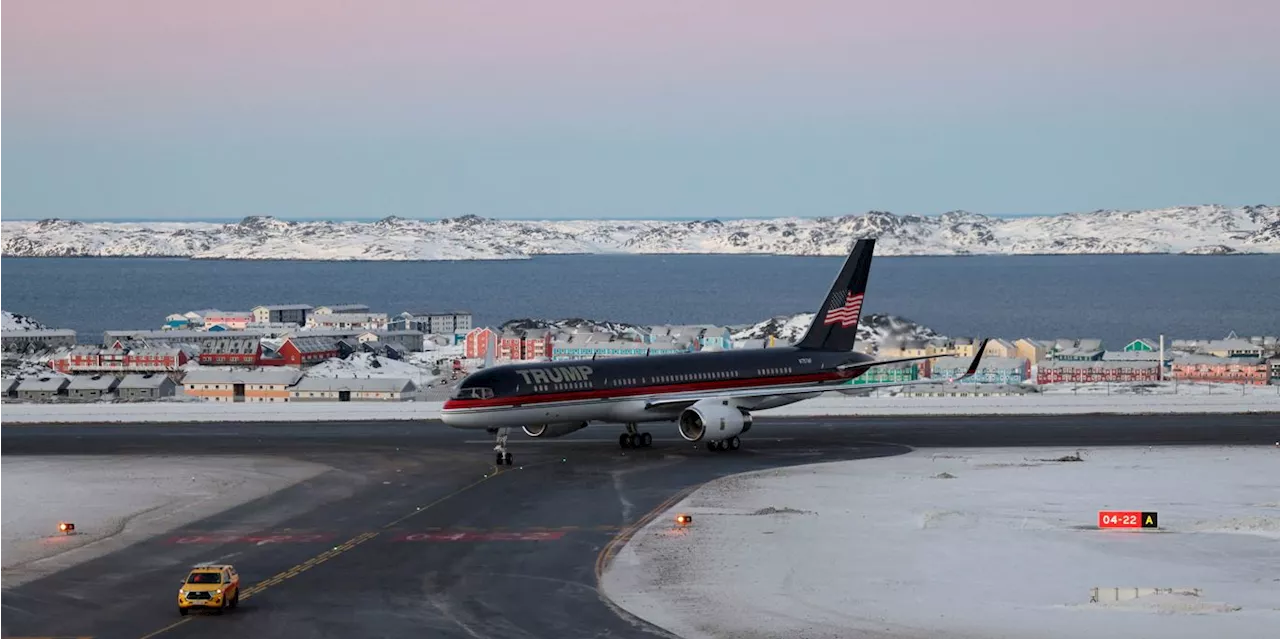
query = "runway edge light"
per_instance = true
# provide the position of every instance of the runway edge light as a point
(684, 520)
(66, 527)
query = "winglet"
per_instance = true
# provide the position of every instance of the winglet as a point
(977, 357)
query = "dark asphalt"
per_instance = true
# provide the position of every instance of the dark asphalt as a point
(414, 534)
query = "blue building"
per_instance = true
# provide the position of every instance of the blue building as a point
(587, 349)
(699, 336)
(992, 370)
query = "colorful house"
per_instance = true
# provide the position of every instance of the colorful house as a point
(888, 373)
(1230, 370)
(1058, 371)
(307, 351)
(991, 370)
(263, 385)
(1143, 345)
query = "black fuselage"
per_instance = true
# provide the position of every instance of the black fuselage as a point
(625, 376)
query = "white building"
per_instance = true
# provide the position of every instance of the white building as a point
(345, 389)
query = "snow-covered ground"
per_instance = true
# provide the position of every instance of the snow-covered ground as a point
(117, 501)
(367, 365)
(968, 543)
(1218, 400)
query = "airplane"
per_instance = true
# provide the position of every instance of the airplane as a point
(710, 395)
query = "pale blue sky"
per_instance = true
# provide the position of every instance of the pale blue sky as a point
(660, 110)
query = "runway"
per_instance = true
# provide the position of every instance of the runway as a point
(414, 533)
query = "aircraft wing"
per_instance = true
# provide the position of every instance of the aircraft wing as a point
(882, 362)
(684, 400)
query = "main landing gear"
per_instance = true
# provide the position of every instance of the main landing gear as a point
(733, 443)
(634, 439)
(500, 445)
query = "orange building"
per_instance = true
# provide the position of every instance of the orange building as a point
(529, 344)
(477, 342)
(1231, 370)
(261, 385)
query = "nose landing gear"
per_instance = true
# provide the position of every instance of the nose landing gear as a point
(500, 445)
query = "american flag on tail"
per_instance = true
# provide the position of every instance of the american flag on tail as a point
(844, 310)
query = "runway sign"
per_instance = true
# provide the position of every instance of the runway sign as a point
(1127, 519)
(445, 536)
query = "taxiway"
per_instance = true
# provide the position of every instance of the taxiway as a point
(413, 532)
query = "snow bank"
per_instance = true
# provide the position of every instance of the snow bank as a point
(203, 411)
(975, 543)
(1262, 399)
(117, 501)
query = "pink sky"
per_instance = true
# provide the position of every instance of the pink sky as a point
(726, 107)
(573, 59)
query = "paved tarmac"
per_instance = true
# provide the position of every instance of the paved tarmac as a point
(414, 533)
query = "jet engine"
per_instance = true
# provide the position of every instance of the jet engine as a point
(713, 419)
(553, 430)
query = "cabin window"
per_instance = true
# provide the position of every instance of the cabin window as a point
(474, 392)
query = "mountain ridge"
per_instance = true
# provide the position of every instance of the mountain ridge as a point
(1193, 230)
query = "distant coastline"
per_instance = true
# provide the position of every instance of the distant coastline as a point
(1200, 230)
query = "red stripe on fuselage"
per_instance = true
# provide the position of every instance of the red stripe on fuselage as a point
(629, 391)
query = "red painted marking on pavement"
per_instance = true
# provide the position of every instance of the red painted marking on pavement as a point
(251, 539)
(482, 536)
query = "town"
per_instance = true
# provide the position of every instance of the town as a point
(346, 352)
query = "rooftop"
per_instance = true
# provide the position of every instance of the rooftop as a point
(92, 382)
(369, 384)
(284, 307)
(312, 344)
(986, 362)
(41, 332)
(271, 376)
(145, 380)
(1223, 361)
(1098, 364)
(181, 334)
(43, 383)
(350, 317)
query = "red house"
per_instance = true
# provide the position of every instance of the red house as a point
(1089, 371)
(123, 356)
(477, 342)
(305, 351)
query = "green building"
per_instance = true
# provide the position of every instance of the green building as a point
(1142, 345)
(888, 374)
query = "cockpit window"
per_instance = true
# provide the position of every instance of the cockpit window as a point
(474, 392)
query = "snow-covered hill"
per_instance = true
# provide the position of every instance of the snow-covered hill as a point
(15, 322)
(1192, 229)
(872, 329)
(574, 325)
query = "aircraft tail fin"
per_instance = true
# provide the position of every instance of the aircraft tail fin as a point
(835, 326)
